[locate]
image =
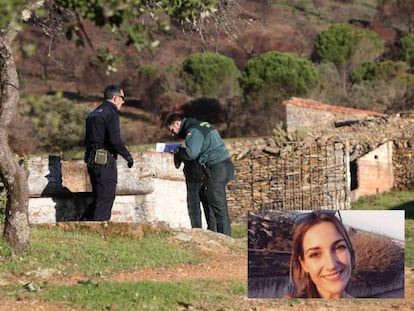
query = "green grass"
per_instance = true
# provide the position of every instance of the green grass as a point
(398, 200)
(402, 200)
(97, 257)
(239, 230)
(92, 254)
(146, 295)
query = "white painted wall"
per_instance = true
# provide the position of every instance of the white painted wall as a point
(169, 202)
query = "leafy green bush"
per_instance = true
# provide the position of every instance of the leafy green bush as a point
(407, 49)
(386, 70)
(278, 76)
(147, 72)
(364, 72)
(9, 10)
(58, 122)
(342, 42)
(330, 89)
(383, 87)
(210, 74)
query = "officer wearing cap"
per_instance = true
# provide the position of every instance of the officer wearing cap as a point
(103, 144)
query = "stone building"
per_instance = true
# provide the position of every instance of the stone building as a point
(307, 114)
(325, 157)
(371, 136)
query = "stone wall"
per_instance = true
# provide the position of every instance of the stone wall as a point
(307, 175)
(51, 176)
(301, 176)
(403, 160)
(60, 190)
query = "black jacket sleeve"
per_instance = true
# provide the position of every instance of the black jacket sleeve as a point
(114, 137)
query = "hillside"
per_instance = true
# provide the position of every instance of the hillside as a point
(149, 77)
(259, 26)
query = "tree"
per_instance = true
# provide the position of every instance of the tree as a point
(13, 176)
(210, 74)
(135, 20)
(330, 88)
(384, 87)
(347, 47)
(139, 21)
(55, 121)
(278, 76)
(270, 78)
(407, 49)
(382, 71)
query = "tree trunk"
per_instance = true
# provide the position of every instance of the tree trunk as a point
(14, 177)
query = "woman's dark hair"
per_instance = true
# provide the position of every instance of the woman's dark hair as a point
(303, 285)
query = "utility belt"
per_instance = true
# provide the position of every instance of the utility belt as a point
(97, 155)
(208, 165)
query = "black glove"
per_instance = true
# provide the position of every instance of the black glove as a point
(130, 161)
(177, 160)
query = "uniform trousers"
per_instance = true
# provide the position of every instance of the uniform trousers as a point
(195, 196)
(103, 181)
(219, 175)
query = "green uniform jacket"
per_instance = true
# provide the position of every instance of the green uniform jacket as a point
(202, 142)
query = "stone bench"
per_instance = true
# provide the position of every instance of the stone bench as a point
(152, 190)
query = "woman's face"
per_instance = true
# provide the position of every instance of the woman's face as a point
(327, 259)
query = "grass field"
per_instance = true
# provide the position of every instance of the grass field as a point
(68, 253)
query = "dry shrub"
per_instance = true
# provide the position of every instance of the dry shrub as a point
(21, 136)
(376, 253)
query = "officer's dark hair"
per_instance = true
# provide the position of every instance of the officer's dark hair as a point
(111, 91)
(172, 118)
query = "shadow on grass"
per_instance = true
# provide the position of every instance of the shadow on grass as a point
(408, 207)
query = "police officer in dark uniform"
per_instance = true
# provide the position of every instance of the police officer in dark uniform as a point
(103, 144)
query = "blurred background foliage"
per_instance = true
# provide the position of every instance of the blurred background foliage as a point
(57, 124)
(228, 62)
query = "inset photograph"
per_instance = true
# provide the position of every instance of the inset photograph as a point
(326, 254)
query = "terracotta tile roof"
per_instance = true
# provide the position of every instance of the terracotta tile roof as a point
(313, 104)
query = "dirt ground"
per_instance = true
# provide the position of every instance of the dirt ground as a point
(230, 265)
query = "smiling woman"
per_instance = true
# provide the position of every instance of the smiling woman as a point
(322, 257)
(320, 254)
